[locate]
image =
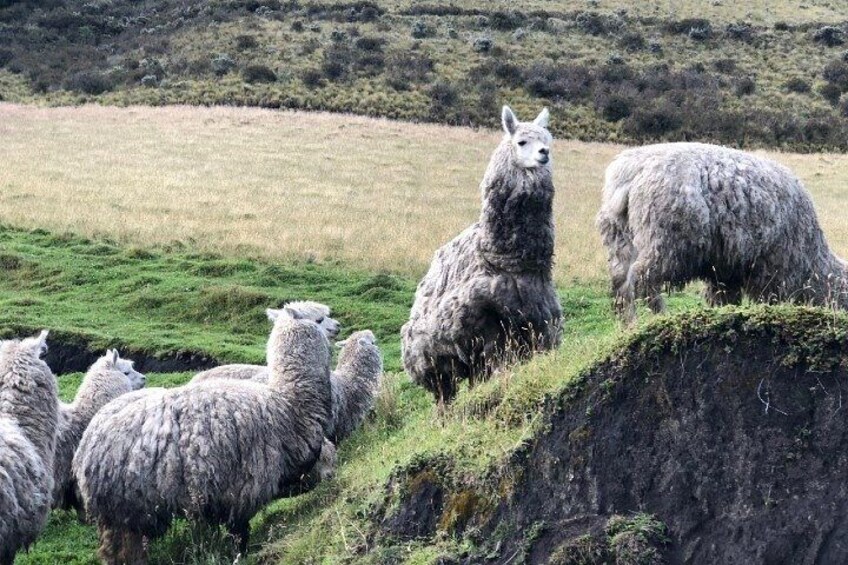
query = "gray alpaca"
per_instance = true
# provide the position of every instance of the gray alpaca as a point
(353, 384)
(489, 292)
(108, 378)
(677, 212)
(211, 451)
(28, 415)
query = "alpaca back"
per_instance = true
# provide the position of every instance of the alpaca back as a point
(355, 383)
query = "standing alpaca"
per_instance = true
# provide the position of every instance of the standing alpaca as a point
(315, 311)
(489, 292)
(28, 416)
(677, 212)
(211, 451)
(108, 378)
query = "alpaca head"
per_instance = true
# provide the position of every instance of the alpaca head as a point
(530, 142)
(293, 327)
(315, 311)
(27, 351)
(114, 362)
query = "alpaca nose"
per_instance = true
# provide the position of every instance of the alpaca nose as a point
(544, 150)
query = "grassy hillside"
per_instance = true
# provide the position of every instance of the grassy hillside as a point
(110, 217)
(163, 300)
(753, 73)
(373, 194)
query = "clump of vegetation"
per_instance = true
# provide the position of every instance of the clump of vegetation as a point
(258, 74)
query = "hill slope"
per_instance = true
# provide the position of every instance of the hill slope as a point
(771, 75)
(713, 437)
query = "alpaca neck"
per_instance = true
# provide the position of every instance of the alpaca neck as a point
(517, 232)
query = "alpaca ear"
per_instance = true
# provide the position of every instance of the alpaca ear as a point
(272, 314)
(342, 343)
(543, 118)
(112, 356)
(292, 313)
(508, 120)
(42, 342)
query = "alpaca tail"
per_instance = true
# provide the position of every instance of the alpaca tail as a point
(613, 223)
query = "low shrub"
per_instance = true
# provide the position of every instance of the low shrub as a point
(258, 74)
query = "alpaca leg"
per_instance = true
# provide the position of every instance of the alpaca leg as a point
(118, 547)
(241, 533)
(718, 294)
(643, 282)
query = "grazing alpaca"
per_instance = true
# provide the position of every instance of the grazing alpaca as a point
(677, 212)
(214, 451)
(489, 294)
(107, 379)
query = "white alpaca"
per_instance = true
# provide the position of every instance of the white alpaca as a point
(745, 225)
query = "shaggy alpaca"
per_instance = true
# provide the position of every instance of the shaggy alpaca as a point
(28, 416)
(315, 311)
(489, 293)
(353, 384)
(211, 451)
(108, 378)
(677, 212)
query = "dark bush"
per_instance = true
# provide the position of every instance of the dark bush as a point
(443, 96)
(506, 20)
(408, 67)
(420, 29)
(594, 23)
(614, 71)
(258, 73)
(741, 31)
(483, 44)
(374, 44)
(700, 33)
(632, 41)
(744, 86)
(836, 73)
(222, 64)
(244, 42)
(6, 55)
(685, 27)
(312, 78)
(781, 26)
(843, 106)
(725, 66)
(90, 82)
(615, 106)
(297, 26)
(653, 122)
(338, 35)
(830, 92)
(830, 36)
(337, 61)
(558, 81)
(797, 84)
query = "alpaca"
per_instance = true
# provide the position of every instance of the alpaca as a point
(319, 313)
(677, 212)
(353, 384)
(108, 378)
(28, 416)
(210, 451)
(489, 293)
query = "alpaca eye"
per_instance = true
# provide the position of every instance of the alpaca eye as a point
(319, 320)
(522, 143)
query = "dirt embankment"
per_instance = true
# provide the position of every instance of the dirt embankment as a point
(72, 353)
(716, 437)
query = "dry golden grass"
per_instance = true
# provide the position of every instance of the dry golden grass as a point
(373, 193)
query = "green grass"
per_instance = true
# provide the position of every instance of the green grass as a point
(161, 302)
(164, 300)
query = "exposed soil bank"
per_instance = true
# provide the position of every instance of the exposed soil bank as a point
(74, 353)
(726, 427)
